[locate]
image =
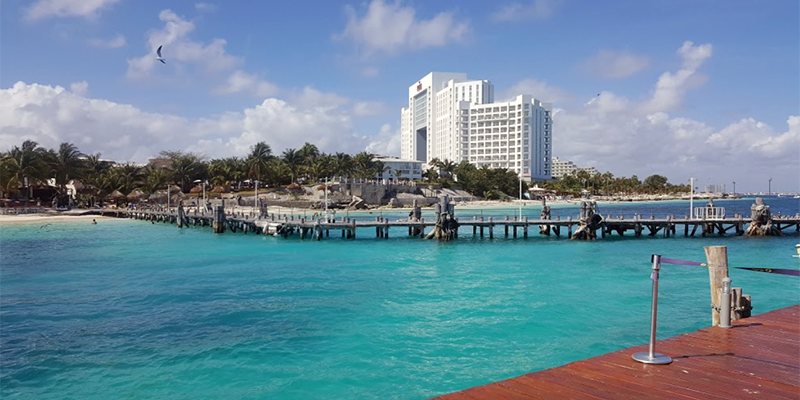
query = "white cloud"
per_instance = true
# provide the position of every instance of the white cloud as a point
(615, 64)
(532, 10)
(670, 88)
(392, 28)
(205, 7)
(386, 142)
(612, 132)
(52, 115)
(79, 88)
(240, 81)
(174, 36)
(311, 98)
(88, 9)
(110, 43)
(540, 90)
(283, 126)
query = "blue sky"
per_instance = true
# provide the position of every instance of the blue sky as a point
(708, 89)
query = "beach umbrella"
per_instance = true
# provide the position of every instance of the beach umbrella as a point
(135, 195)
(218, 189)
(116, 194)
(174, 189)
(197, 189)
(294, 186)
(88, 189)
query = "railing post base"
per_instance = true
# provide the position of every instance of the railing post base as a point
(644, 357)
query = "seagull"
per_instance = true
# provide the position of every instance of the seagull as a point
(159, 58)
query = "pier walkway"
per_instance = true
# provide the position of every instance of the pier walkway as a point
(480, 226)
(758, 358)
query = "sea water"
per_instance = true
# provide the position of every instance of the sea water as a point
(134, 310)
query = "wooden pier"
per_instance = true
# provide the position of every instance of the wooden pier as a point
(480, 226)
(757, 358)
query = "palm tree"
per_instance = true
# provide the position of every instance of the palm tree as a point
(227, 171)
(65, 164)
(186, 168)
(363, 165)
(318, 166)
(342, 164)
(308, 150)
(155, 179)
(277, 172)
(128, 177)
(5, 175)
(256, 162)
(293, 160)
(24, 166)
(447, 167)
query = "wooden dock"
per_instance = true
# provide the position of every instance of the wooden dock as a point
(757, 358)
(509, 226)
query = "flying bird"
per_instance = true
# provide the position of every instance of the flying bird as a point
(159, 58)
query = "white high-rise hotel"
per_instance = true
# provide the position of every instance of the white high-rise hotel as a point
(452, 118)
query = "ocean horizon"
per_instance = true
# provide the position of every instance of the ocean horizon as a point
(129, 309)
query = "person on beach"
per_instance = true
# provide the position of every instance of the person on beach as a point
(94, 222)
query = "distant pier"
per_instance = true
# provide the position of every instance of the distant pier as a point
(491, 227)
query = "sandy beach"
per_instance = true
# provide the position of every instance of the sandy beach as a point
(41, 217)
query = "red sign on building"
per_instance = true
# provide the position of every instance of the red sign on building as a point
(419, 86)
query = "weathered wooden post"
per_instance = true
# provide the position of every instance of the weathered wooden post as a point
(525, 228)
(218, 224)
(180, 214)
(717, 260)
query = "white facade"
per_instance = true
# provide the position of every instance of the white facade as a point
(409, 169)
(452, 118)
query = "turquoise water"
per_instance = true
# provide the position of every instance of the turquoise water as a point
(126, 309)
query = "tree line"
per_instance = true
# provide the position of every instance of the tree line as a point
(30, 165)
(606, 184)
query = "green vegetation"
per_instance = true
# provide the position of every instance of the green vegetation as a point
(30, 165)
(607, 185)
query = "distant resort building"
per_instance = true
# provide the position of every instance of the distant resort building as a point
(566, 167)
(396, 169)
(450, 117)
(715, 188)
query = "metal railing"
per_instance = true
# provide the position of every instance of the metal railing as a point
(709, 212)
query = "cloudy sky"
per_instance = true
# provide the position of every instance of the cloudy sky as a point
(683, 88)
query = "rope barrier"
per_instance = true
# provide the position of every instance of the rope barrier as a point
(675, 261)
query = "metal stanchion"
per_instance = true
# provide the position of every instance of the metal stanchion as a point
(725, 304)
(651, 357)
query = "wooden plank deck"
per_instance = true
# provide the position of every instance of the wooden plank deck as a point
(758, 358)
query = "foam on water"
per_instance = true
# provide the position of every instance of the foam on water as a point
(126, 309)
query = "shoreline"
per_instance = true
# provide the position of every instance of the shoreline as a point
(79, 215)
(40, 217)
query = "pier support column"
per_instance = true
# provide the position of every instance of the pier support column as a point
(180, 215)
(218, 224)
(717, 259)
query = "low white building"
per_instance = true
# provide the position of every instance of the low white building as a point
(396, 169)
(565, 167)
